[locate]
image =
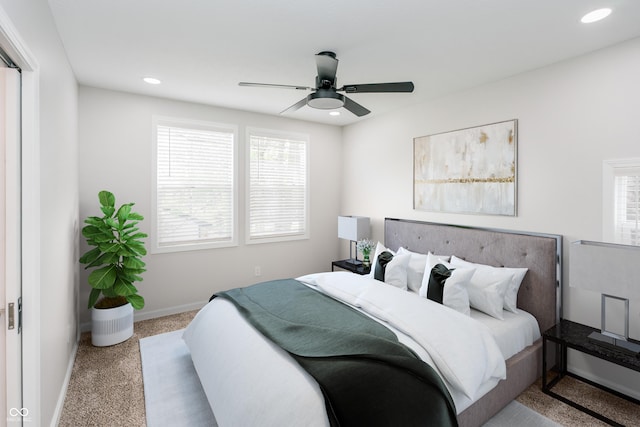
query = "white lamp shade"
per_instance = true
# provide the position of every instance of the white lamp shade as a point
(353, 227)
(607, 268)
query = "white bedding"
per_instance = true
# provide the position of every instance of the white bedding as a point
(249, 381)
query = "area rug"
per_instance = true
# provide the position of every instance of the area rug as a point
(174, 396)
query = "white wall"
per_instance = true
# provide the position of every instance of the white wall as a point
(571, 117)
(57, 328)
(115, 139)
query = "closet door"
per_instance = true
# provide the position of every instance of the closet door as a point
(11, 407)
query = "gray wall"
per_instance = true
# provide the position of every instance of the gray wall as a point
(571, 117)
(56, 327)
(115, 146)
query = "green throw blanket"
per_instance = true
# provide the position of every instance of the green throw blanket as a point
(366, 376)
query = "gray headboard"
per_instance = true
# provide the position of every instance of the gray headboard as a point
(541, 290)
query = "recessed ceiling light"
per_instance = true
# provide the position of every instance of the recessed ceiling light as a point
(596, 15)
(152, 80)
(334, 113)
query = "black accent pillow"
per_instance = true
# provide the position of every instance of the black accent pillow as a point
(437, 278)
(381, 265)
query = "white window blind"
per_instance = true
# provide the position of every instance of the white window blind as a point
(627, 205)
(195, 184)
(277, 186)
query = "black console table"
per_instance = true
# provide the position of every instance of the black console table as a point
(568, 334)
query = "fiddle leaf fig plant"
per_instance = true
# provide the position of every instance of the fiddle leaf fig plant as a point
(116, 256)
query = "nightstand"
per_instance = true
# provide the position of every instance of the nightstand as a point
(354, 268)
(568, 334)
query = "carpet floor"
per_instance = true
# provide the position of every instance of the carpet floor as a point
(106, 387)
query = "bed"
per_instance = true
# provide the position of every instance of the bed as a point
(251, 381)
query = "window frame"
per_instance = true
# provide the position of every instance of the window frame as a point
(609, 173)
(197, 125)
(263, 132)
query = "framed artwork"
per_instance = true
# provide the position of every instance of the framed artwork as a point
(471, 171)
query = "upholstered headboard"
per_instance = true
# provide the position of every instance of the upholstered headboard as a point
(541, 291)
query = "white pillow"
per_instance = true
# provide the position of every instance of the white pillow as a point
(379, 249)
(416, 267)
(516, 275)
(486, 291)
(455, 294)
(395, 274)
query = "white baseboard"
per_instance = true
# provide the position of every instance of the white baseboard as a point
(605, 382)
(154, 314)
(55, 419)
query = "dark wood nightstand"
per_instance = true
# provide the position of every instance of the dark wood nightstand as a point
(344, 264)
(568, 334)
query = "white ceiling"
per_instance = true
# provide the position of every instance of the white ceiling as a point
(201, 49)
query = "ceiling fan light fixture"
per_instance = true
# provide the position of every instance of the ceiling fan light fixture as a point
(325, 100)
(334, 113)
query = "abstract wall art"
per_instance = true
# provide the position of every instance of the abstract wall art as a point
(471, 171)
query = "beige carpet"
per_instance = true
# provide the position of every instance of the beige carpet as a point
(106, 387)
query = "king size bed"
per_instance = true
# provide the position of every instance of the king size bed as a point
(482, 357)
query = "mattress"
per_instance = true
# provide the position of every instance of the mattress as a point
(232, 360)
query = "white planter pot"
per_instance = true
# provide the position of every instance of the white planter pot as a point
(111, 326)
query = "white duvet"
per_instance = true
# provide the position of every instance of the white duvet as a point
(250, 381)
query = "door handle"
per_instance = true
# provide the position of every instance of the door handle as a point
(12, 315)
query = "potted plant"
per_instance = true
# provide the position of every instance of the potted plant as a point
(117, 262)
(366, 246)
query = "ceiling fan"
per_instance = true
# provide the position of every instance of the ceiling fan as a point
(325, 95)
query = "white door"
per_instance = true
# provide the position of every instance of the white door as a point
(11, 409)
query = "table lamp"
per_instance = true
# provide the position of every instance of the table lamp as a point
(613, 270)
(353, 228)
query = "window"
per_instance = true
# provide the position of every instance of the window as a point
(622, 194)
(194, 198)
(277, 189)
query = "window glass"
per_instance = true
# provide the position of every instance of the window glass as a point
(194, 186)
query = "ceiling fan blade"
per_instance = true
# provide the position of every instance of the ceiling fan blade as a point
(355, 108)
(248, 84)
(327, 66)
(379, 87)
(295, 106)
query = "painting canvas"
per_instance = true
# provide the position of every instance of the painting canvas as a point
(467, 171)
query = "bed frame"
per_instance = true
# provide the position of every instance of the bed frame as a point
(540, 293)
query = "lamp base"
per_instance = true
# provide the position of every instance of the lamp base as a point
(614, 343)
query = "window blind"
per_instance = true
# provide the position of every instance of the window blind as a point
(194, 185)
(627, 206)
(277, 187)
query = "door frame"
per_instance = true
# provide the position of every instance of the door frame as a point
(13, 44)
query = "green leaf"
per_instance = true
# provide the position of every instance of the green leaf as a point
(94, 220)
(103, 278)
(137, 248)
(109, 293)
(90, 256)
(110, 247)
(124, 288)
(130, 237)
(107, 199)
(132, 262)
(91, 231)
(134, 216)
(136, 301)
(111, 222)
(93, 297)
(105, 258)
(108, 211)
(123, 213)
